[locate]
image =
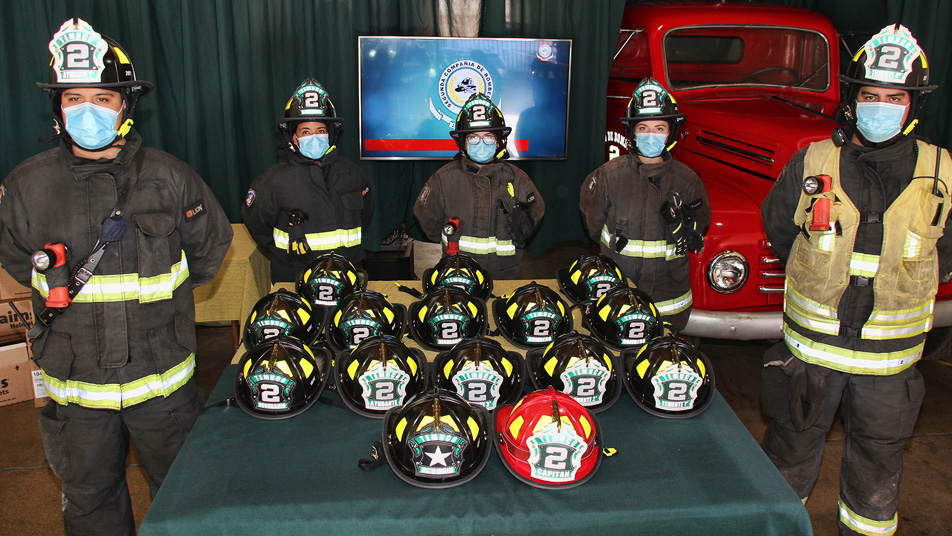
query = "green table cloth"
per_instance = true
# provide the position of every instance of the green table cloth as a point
(240, 475)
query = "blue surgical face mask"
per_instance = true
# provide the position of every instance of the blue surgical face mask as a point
(314, 146)
(480, 152)
(879, 121)
(650, 144)
(90, 126)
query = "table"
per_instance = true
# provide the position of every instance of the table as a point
(244, 276)
(241, 475)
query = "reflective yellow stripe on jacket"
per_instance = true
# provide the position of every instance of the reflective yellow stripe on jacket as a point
(119, 395)
(321, 241)
(485, 246)
(124, 287)
(651, 249)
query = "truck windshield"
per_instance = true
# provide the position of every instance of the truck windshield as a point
(744, 56)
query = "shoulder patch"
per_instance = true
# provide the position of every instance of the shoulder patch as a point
(365, 191)
(591, 184)
(198, 209)
(250, 198)
(3, 190)
(424, 193)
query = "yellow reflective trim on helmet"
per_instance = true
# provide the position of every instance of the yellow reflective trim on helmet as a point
(573, 360)
(352, 276)
(283, 367)
(433, 277)
(284, 314)
(122, 57)
(473, 426)
(511, 311)
(306, 367)
(642, 367)
(547, 348)
(624, 309)
(561, 308)
(586, 426)
(858, 54)
(447, 420)
(337, 317)
(305, 316)
(701, 368)
(352, 369)
(575, 276)
(447, 367)
(413, 366)
(246, 369)
(507, 365)
(424, 421)
(288, 105)
(307, 274)
(603, 313)
(549, 366)
(608, 361)
(398, 429)
(543, 422)
(480, 277)
(388, 312)
(472, 308)
(422, 313)
(515, 426)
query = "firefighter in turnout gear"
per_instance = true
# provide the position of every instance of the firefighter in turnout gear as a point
(313, 200)
(118, 359)
(497, 206)
(860, 290)
(648, 210)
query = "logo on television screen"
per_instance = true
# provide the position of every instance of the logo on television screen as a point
(458, 82)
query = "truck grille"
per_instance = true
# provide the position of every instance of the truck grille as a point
(771, 270)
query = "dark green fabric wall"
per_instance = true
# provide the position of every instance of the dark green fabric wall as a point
(223, 70)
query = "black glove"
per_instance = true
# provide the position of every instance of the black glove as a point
(519, 223)
(694, 239)
(675, 231)
(297, 238)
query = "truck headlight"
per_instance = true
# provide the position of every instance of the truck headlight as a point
(728, 272)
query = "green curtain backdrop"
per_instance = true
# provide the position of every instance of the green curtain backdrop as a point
(223, 70)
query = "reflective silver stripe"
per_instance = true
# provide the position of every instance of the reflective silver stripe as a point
(905, 314)
(828, 327)
(642, 248)
(124, 287)
(864, 265)
(118, 396)
(866, 526)
(320, 241)
(809, 305)
(675, 305)
(849, 360)
(485, 246)
(881, 333)
(913, 246)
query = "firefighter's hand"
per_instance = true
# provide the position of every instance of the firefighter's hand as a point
(675, 231)
(520, 225)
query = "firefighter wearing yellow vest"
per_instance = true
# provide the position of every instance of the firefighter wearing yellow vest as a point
(861, 284)
(118, 361)
(313, 200)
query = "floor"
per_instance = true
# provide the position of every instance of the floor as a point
(30, 497)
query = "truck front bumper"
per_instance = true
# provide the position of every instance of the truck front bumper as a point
(740, 326)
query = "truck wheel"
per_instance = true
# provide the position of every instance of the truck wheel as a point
(938, 345)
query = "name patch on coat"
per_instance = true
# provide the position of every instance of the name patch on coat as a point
(197, 210)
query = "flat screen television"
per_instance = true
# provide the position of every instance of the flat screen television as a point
(412, 88)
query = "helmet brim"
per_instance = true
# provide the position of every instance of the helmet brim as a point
(145, 87)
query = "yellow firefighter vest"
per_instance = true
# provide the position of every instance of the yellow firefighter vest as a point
(904, 275)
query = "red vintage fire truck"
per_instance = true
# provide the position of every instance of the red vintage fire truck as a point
(757, 83)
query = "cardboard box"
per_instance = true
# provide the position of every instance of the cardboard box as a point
(11, 328)
(10, 289)
(16, 380)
